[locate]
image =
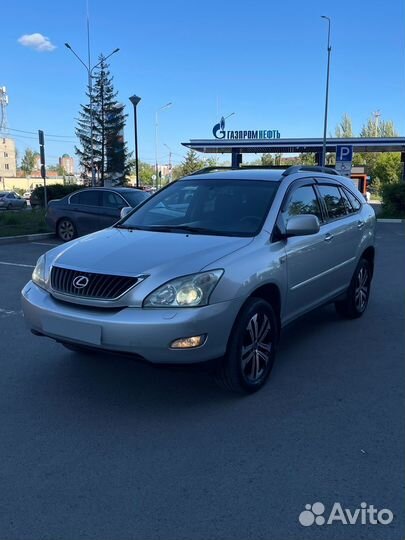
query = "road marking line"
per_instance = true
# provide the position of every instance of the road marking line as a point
(17, 264)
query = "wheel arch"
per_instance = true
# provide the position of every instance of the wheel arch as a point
(369, 255)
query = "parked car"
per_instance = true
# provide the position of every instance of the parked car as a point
(10, 200)
(211, 267)
(89, 210)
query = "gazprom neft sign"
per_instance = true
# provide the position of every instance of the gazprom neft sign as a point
(219, 132)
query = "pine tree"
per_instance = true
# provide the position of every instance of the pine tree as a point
(111, 158)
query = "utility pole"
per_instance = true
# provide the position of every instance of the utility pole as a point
(170, 163)
(376, 115)
(41, 138)
(325, 123)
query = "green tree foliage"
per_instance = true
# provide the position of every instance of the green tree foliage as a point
(383, 168)
(111, 156)
(267, 160)
(388, 168)
(344, 128)
(191, 163)
(53, 191)
(28, 162)
(393, 198)
(307, 159)
(146, 171)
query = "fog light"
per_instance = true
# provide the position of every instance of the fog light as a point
(189, 342)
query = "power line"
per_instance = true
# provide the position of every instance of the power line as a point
(47, 134)
(61, 141)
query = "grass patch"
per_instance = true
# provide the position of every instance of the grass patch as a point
(15, 223)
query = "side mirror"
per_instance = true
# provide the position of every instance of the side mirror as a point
(125, 211)
(302, 225)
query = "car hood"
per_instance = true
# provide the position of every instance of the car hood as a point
(124, 252)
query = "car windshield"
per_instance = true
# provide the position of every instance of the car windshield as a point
(3, 194)
(136, 197)
(200, 206)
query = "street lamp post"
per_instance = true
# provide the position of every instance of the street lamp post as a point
(157, 139)
(90, 85)
(170, 163)
(325, 123)
(135, 100)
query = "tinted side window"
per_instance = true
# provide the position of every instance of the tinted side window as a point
(89, 198)
(74, 199)
(112, 200)
(356, 204)
(346, 202)
(303, 201)
(334, 201)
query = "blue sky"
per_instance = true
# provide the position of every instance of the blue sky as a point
(263, 60)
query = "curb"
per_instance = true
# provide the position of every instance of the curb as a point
(388, 220)
(25, 238)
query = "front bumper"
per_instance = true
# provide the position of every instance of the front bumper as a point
(145, 332)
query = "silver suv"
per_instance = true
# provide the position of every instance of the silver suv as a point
(211, 267)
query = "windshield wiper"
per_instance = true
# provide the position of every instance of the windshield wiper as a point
(184, 228)
(128, 227)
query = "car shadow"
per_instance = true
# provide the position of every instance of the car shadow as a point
(124, 382)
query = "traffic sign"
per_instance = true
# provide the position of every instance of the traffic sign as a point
(344, 152)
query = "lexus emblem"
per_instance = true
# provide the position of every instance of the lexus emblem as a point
(80, 282)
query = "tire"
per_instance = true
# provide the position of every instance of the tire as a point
(355, 303)
(243, 371)
(65, 230)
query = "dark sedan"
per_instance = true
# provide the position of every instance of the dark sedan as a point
(89, 210)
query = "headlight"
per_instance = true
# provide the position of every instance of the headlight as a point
(187, 291)
(39, 276)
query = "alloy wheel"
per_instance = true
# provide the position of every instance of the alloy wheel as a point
(256, 347)
(66, 230)
(362, 289)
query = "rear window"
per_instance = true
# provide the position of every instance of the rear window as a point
(354, 201)
(88, 198)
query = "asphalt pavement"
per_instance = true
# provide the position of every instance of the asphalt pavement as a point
(105, 448)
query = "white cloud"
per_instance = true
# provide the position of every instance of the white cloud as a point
(37, 41)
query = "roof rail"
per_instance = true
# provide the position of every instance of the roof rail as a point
(229, 168)
(313, 168)
(207, 170)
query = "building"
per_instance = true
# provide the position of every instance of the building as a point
(67, 164)
(8, 159)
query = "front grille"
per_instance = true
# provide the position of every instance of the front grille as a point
(99, 286)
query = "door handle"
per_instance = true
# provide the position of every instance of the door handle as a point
(360, 224)
(328, 237)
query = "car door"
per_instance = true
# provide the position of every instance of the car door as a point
(12, 200)
(18, 201)
(84, 210)
(343, 231)
(306, 256)
(112, 203)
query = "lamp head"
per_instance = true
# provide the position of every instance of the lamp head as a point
(134, 100)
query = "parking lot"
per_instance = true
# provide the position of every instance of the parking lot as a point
(101, 447)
